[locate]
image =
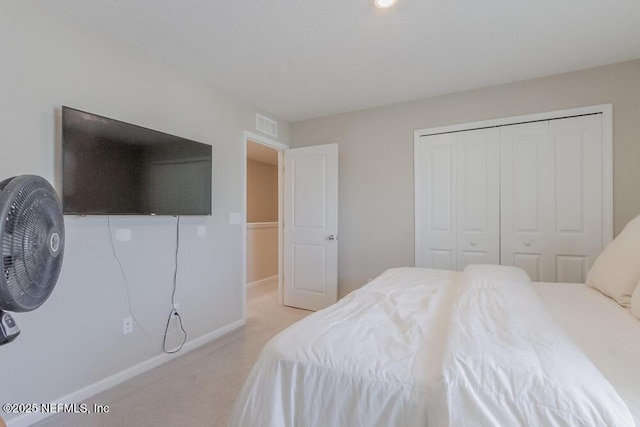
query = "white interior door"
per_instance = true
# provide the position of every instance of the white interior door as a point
(577, 149)
(311, 227)
(478, 197)
(435, 183)
(552, 197)
(457, 199)
(526, 199)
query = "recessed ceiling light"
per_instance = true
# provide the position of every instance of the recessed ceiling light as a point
(384, 4)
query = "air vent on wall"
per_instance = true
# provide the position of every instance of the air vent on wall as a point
(266, 125)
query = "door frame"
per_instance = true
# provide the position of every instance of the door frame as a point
(280, 147)
(607, 156)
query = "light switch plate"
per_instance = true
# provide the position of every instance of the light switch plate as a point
(235, 218)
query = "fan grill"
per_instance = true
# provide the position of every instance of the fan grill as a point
(32, 245)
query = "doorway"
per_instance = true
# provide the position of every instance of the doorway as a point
(309, 269)
(262, 208)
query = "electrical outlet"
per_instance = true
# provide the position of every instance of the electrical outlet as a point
(127, 325)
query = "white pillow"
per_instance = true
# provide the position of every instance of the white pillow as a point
(616, 272)
(635, 302)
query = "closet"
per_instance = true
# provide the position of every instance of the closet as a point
(529, 194)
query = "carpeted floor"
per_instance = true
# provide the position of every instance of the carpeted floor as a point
(197, 389)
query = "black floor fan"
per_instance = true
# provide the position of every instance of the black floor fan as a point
(32, 233)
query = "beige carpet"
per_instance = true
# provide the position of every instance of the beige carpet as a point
(197, 389)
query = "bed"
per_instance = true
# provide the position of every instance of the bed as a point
(419, 347)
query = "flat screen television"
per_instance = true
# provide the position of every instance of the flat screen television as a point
(114, 168)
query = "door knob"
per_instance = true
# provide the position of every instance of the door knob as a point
(472, 243)
(333, 237)
(527, 243)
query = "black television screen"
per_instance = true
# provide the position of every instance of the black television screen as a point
(114, 168)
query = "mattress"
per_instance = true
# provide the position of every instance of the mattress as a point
(607, 333)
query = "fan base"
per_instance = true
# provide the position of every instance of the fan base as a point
(8, 328)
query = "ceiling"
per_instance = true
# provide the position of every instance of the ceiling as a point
(301, 59)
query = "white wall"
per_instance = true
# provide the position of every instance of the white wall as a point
(74, 340)
(376, 156)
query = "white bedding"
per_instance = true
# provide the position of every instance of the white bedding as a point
(392, 354)
(607, 333)
(507, 363)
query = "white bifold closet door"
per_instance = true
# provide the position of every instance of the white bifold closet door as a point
(552, 197)
(526, 202)
(529, 195)
(459, 199)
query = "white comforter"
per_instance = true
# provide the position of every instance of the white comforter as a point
(419, 347)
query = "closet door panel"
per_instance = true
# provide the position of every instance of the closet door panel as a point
(525, 203)
(571, 268)
(435, 205)
(478, 197)
(569, 188)
(531, 263)
(577, 213)
(466, 257)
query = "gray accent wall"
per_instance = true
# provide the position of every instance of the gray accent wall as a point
(376, 212)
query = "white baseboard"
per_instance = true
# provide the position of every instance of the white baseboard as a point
(106, 383)
(265, 281)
